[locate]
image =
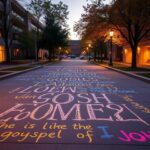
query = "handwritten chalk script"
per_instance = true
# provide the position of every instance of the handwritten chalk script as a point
(76, 101)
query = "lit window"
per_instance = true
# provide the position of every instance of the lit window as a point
(2, 53)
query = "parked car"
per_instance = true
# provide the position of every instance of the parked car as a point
(73, 56)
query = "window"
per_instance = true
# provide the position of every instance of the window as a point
(2, 54)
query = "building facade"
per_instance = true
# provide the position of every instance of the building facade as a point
(75, 46)
(20, 21)
(143, 53)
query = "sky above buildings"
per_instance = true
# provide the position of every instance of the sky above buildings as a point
(75, 8)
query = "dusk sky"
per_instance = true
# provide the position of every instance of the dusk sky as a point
(75, 8)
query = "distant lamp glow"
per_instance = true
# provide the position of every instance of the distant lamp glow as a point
(17, 50)
(67, 52)
(89, 45)
(59, 48)
(125, 51)
(111, 33)
(138, 50)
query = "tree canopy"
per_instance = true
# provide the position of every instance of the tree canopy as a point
(55, 34)
(129, 19)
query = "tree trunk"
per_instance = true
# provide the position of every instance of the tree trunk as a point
(54, 55)
(101, 55)
(134, 56)
(8, 58)
(50, 55)
(95, 55)
(37, 42)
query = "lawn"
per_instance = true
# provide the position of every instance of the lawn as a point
(3, 73)
(21, 68)
(144, 74)
(125, 68)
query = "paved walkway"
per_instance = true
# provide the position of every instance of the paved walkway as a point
(74, 105)
(8, 66)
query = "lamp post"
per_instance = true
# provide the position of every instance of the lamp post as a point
(111, 34)
(60, 53)
(89, 46)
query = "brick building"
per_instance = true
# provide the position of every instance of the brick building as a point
(75, 46)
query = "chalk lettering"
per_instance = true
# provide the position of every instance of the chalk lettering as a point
(106, 134)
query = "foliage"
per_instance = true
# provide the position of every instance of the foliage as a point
(58, 11)
(36, 8)
(130, 20)
(27, 39)
(55, 34)
(99, 48)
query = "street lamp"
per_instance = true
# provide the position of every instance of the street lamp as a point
(60, 53)
(111, 34)
(89, 46)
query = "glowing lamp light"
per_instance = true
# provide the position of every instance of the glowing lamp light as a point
(17, 50)
(89, 45)
(125, 51)
(111, 33)
(138, 50)
(1, 48)
(67, 52)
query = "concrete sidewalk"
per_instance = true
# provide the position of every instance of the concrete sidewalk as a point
(12, 65)
(133, 74)
(127, 64)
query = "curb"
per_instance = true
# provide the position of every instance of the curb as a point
(18, 72)
(147, 80)
(22, 65)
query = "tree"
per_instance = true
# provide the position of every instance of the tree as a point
(53, 37)
(58, 11)
(7, 28)
(92, 24)
(99, 48)
(27, 40)
(36, 8)
(132, 19)
(55, 34)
